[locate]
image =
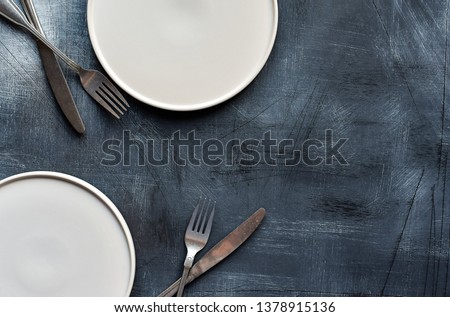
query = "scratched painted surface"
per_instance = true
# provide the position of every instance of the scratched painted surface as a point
(374, 72)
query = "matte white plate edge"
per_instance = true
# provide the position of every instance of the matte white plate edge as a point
(182, 108)
(97, 193)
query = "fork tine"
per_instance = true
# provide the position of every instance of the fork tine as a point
(207, 229)
(194, 217)
(123, 102)
(115, 101)
(104, 104)
(201, 215)
(102, 93)
(201, 226)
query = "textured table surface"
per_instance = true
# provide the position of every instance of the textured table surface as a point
(372, 72)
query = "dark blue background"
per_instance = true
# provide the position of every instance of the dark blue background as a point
(374, 72)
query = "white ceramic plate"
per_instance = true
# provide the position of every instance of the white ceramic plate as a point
(182, 54)
(60, 236)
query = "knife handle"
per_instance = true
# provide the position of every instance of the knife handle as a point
(172, 289)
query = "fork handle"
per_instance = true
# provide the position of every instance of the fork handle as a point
(30, 13)
(12, 12)
(183, 281)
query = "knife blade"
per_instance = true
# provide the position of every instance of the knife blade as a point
(221, 250)
(54, 74)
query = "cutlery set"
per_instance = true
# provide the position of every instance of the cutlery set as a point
(54, 73)
(196, 237)
(95, 83)
(220, 251)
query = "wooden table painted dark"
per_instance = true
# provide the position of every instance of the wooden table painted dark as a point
(373, 72)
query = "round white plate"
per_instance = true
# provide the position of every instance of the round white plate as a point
(60, 236)
(182, 54)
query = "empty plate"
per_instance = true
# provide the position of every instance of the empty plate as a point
(182, 54)
(60, 236)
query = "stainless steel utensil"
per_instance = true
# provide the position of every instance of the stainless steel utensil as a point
(221, 250)
(54, 73)
(197, 234)
(94, 82)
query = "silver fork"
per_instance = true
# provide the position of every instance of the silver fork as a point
(94, 82)
(197, 234)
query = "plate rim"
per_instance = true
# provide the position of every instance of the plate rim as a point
(182, 108)
(98, 194)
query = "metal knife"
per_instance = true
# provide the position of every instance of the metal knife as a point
(221, 250)
(55, 75)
